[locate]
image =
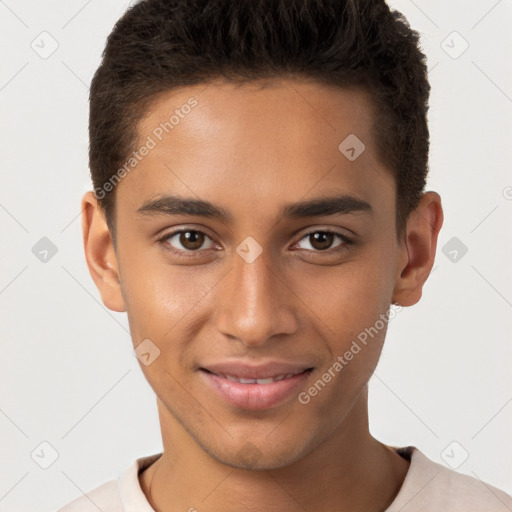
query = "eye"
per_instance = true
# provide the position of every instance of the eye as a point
(187, 240)
(322, 241)
(190, 242)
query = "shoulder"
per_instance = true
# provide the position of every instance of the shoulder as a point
(429, 486)
(119, 495)
(106, 497)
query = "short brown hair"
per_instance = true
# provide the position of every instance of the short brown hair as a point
(158, 45)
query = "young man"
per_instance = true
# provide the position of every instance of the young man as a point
(259, 173)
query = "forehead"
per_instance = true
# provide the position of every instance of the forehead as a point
(259, 142)
(283, 110)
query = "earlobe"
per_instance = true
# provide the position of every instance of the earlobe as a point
(100, 254)
(418, 249)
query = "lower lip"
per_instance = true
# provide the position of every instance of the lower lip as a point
(255, 396)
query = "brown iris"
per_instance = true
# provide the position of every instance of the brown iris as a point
(192, 239)
(321, 240)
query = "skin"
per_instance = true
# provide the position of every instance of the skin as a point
(252, 149)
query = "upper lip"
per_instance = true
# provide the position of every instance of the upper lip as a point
(265, 370)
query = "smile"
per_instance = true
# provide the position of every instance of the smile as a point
(268, 380)
(255, 393)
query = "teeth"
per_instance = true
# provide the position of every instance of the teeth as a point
(247, 381)
(265, 381)
(268, 380)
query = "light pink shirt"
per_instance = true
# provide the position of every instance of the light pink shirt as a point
(428, 487)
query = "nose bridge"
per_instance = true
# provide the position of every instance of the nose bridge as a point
(254, 305)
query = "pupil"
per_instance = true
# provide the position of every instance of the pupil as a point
(321, 240)
(191, 239)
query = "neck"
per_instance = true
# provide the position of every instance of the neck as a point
(349, 471)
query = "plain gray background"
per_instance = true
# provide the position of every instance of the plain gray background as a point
(68, 375)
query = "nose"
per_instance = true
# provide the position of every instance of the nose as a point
(255, 304)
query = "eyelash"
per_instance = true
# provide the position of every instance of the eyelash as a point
(191, 254)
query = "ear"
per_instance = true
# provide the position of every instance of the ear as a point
(100, 254)
(418, 249)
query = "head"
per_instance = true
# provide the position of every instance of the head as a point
(259, 172)
(160, 46)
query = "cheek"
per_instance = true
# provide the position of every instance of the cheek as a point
(349, 297)
(342, 300)
(160, 298)
(354, 319)
(351, 307)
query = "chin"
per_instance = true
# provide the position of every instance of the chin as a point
(260, 455)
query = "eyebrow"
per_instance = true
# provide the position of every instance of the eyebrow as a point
(316, 207)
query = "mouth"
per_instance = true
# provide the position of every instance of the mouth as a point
(254, 380)
(255, 392)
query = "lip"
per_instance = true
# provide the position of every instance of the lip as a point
(243, 370)
(255, 396)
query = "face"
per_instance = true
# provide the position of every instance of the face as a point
(250, 244)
